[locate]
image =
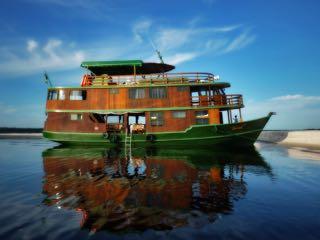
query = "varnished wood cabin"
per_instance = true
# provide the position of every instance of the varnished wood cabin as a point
(120, 101)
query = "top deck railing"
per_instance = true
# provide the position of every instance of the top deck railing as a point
(160, 78)
(231, 100)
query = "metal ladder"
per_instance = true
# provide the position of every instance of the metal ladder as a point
(128, 144)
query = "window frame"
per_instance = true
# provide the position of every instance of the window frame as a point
(79, 116)
(158, 119)
(61, 92)
(83, 95)
(158, 95)
(136, 93)
(202, 119)
(120, 119)
(50, 94)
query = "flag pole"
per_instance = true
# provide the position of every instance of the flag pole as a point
(47, 79)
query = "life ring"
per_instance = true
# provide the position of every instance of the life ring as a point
(86, 80)
(106, 135)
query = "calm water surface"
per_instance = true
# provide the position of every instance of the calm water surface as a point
(49, 192)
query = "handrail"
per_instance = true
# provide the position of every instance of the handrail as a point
(160, 78)
(218, 100)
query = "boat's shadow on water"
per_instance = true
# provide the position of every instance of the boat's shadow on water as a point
(148, 188)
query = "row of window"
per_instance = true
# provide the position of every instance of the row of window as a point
(155, 92)
(156, 118)
(134, 93)
(60, 95)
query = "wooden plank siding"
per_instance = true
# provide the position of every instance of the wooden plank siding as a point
(171, 124)
(62, 122)
(214, 116)
(102, 99)
(117, 99)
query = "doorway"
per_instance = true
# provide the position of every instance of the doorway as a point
(136, 123)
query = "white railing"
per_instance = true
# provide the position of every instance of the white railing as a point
(234, 100)
(160, 78)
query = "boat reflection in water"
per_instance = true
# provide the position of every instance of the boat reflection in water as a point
(151, 189)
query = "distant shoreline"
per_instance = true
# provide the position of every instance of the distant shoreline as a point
(20, 135)
(12, 130)
(300, 138)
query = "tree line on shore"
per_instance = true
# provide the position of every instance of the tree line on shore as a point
(20, 130)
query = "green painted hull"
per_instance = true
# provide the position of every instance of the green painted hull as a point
(238, 134)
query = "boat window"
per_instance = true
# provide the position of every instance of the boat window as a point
(203, 93)
(141, 119)
(158, 92)
(156, 118)
(179, 114)
(75, 116)
(202, 117)
(114, 119)
(114, 90)
(56, 95)
(61, 95)
(137, 93)
(182, 88)
(78, 95)
(52, 95)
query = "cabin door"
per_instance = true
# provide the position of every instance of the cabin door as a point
(136, 123)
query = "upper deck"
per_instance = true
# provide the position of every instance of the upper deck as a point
(159, 79)
(122, 86)
(138, 73)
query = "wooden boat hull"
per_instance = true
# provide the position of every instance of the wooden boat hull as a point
(236, 134)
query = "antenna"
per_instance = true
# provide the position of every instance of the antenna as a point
(47, 79)
(155, 49)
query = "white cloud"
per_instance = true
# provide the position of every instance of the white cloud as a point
(227, 28)
(52, 56)
(299, 97)
(172, 38)
(175, 42)
(180, 57)
(51, 47)
(140, 29)
(240, 41)
(177, 45)
(295, 111)
(31, 45)
(167, 39)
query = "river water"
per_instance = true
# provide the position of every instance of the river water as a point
(264, 192)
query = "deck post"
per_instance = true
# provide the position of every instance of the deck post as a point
(241, 120)
(134, 73)
(209, 96)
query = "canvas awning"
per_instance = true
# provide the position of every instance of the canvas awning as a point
(125, 67)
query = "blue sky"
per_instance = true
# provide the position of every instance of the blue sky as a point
(268, 50)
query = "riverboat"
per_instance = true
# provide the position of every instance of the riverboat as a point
(135, 103)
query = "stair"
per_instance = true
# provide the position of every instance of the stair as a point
(128, 144)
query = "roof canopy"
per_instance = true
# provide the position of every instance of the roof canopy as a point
(125, 67)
